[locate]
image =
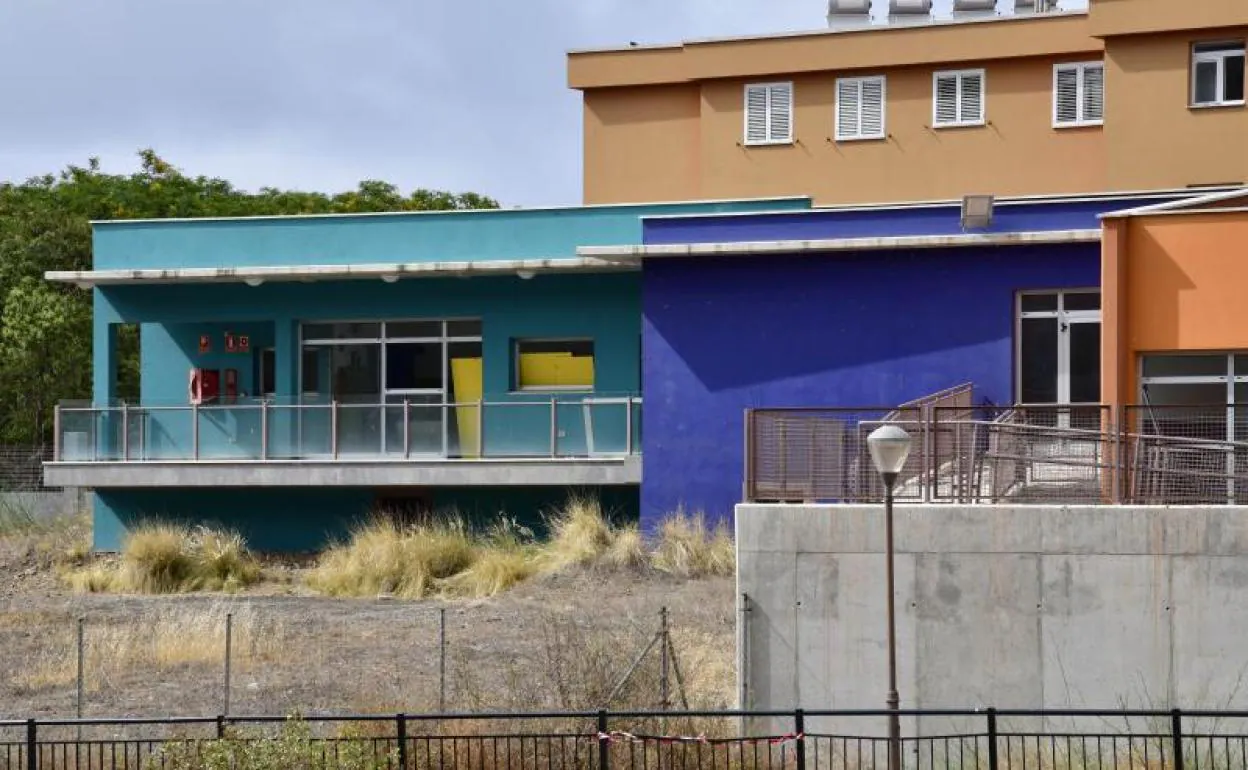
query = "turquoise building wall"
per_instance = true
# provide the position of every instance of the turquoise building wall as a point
(605, 307)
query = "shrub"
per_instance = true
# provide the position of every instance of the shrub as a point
(162, 558)
(158, 558)
(627, 549)
(385, 557)
(580, 535)
(687, 548)
(506, 559)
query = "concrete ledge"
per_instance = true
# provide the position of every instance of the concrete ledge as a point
(346, 473)
(831, 245)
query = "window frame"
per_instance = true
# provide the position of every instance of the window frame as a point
(860, 82)
(767, 114)
(517, 388)
(1219, 58)
(958, 76)
(1081, 94)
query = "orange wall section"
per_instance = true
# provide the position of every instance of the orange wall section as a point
(1180, 287)
(682, 142)
(1018, 152)
(1155, 139)
(1132, 17)
(641, 144)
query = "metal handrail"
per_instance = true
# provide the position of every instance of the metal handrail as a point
(127, 413)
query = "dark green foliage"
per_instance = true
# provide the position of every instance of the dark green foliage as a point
(45, 329)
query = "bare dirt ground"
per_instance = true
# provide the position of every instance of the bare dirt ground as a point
(558, 642)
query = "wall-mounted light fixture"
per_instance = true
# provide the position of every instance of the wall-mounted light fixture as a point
(253, 282)
(525, 275)
(977, 211)
(390, 278)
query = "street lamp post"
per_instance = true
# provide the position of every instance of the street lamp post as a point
(890, 447)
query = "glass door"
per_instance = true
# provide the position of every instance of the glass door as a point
(1059, 352)
(415, 390)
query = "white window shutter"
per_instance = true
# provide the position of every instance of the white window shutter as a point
(971, 109)
(871, 121)
(848, 109)
(1067, 95)
(780, 113)
(756, 114)
(946, 99)
(1094, 93)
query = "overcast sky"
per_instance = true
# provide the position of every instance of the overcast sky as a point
(465, 95)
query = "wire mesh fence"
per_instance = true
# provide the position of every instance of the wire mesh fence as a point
(257, 656)
(1186, 454)
(21, 467)
(1026, 454)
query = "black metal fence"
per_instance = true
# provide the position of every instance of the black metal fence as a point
(802, 740)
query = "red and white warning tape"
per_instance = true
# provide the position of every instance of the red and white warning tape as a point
(620, 736)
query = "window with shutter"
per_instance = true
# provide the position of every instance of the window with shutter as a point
(769, 113)
(958, 98)
(860, 105)
(1078, 94)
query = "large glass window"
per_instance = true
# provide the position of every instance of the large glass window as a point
(396, 382)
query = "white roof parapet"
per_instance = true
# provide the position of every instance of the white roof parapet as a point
(843, 244)
(384, 271)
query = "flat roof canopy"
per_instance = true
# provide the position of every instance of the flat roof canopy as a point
(389, 272)
(841, 244)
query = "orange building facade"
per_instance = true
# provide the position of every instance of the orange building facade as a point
(1131, 95)
(1175, 326)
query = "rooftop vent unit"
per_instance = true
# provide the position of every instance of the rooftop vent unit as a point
(967, 9)
(909, 11)
(844, 14)
(1026, 7)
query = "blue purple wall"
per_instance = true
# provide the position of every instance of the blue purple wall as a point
(867, 329)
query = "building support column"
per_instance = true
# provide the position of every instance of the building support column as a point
(284, 418)
(104, 426)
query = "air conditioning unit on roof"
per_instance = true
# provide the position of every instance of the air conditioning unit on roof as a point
(1027, 7)
(963, 9)
(849, 13)
(909, 11)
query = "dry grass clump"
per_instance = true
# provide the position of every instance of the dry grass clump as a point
(163, 558)
(506, 557)
(162, 638)
(688, 548)
(580, 535)
(627, 550)
(442, 556)
(386, 557)
(42, 540)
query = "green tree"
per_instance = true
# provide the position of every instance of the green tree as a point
(45, 330)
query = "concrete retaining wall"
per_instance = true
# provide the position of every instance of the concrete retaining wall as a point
(1014, 607)
(43, 505)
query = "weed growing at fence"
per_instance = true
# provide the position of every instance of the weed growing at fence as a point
(167, 558)
(46, 540)
(294, 746)
(163, 638)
